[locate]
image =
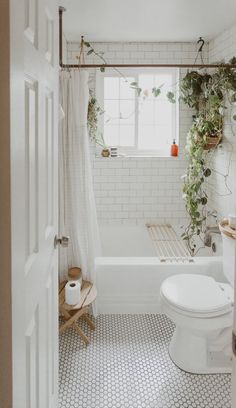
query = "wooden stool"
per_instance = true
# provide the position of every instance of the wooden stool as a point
(72, 313)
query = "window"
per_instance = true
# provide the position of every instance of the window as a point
(138, 125)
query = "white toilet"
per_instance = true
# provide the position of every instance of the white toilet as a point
(202, 310)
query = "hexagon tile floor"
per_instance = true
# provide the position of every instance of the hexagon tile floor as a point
(127, 366)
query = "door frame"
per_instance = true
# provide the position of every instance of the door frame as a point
(6, 385)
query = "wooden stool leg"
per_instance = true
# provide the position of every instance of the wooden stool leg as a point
(81, 333)
(89, 321)
(72, 319)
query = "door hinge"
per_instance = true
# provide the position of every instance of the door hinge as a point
(63, 241)
(234, 343)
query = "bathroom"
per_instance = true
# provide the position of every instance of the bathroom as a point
(132, 359)
(119, 205)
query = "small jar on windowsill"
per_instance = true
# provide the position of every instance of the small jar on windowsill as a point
(105, 152)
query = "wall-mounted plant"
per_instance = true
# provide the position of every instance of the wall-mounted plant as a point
(208, 94)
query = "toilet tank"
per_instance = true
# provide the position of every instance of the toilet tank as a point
(229, 258)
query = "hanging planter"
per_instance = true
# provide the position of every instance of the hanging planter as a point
(212, 142)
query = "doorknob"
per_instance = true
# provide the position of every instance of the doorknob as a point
(63, 241)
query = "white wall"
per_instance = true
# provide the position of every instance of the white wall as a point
(138, 190)
(224, 160)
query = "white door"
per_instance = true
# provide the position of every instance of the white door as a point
(34, 139)
(234, 353)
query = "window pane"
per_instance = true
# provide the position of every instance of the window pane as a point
(164, 137)
(166, 81)
(127, 135)
(153, 119)
(127, 112)
(112, 113)
(146, 112)
(111, 135)
(125, 91)
(111, 88)
(146, 82)
(163, 112)
(147, 139)
(154, 138)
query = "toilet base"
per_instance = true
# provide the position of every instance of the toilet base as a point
(198, 354)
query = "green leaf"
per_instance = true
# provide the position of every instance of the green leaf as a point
(207, 172)
(87, 44)
(90, 51)
(234, 117)
(171, 97)
(156, 91)
(102, 69)
(134, 84)
(139, 90)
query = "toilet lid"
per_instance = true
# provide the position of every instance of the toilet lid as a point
(196, 293)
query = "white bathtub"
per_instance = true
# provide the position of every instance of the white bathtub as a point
(129, 274)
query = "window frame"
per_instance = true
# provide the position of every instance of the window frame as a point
(135, 72)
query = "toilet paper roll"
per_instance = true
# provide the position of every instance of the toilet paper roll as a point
(72, 292)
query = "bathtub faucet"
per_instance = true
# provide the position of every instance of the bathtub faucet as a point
(208, 235)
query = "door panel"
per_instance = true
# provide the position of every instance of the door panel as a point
(34, 202)
(31, 21)
(31, 169)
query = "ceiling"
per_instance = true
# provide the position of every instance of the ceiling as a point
(147, 20)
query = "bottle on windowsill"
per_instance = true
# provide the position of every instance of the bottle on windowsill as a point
(174, 150)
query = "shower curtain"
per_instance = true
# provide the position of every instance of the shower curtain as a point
(77, 212)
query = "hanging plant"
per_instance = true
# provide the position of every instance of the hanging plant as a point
(94, 110)
(156, 91)
(207, 94)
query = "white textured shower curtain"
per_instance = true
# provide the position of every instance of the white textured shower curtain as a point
(77, 213)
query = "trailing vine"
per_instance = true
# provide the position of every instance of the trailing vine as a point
(208, 94)
(94, 110)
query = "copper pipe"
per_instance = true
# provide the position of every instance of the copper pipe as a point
(61, 10)
(67, 66)
(148, 66)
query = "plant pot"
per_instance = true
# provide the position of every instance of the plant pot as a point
(105, 152)
(212, 142)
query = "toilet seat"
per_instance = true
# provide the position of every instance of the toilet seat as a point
(197, 295)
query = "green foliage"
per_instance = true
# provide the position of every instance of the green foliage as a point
(206, 93)
(94, 110)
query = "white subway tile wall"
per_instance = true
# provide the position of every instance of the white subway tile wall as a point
(222, 188)
(138, 190)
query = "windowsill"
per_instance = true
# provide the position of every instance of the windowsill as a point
(135, 156)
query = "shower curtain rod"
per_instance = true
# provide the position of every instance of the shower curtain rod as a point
(79, 66)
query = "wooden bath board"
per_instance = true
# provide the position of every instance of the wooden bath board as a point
(168, 245)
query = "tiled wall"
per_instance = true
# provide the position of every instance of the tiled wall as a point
(222, 188)
(137, 190)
